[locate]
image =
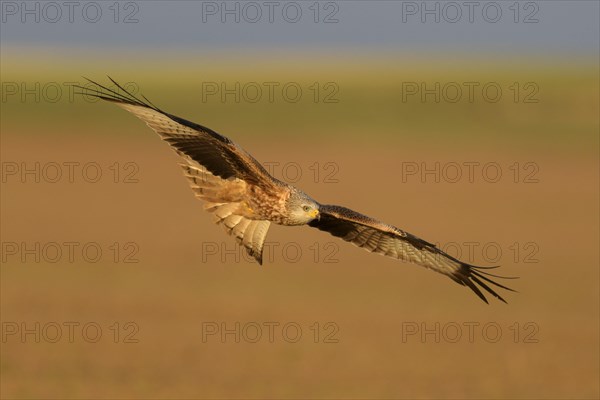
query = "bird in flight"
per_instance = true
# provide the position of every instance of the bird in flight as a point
(246, 199)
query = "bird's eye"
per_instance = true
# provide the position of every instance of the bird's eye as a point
(306, 208)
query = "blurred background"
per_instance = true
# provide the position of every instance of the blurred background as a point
(473, 125)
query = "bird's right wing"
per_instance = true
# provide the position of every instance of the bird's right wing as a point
(217, 153)
(217, 170)
(378, 237)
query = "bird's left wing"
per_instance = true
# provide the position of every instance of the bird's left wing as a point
(378, 237)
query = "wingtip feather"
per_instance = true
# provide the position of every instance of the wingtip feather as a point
(471, 276)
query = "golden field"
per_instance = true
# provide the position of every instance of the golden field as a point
(187, 276)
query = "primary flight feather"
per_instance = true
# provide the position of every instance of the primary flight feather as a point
(245, 198)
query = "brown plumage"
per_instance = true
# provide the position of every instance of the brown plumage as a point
(245, 198)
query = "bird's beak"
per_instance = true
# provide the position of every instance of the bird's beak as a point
(315, 214)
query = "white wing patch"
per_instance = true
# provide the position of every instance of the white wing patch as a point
(249, 233)
(224, 198)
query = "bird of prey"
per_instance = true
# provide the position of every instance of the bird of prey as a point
(245, 199)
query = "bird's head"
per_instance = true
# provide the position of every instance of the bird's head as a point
(301, 208)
